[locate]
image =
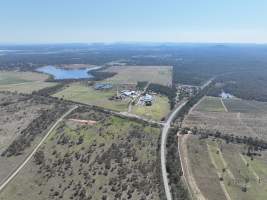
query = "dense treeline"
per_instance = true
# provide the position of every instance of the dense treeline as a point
(101, 75)
(49, 90)
(141, 85)
(164, 90)
(31, 57)
(255, 143)
(174, 170)
(192, 64)
(189, 78)
(250, 85)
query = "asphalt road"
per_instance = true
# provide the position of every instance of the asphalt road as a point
(12, 176)
(163, 150)
(164, 135)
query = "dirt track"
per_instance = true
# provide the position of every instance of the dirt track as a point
(13, 175)
(187, 173)
(219, 175)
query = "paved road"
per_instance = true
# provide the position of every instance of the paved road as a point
(163, 150)
(163, 143)
(12, 176)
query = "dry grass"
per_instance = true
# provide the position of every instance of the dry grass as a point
(23, 82)
(245, 118)
(203, 170)
(16, 114)
(88, 95)
(132, 74)
(237, 173)
(159, 109)
(111, 161)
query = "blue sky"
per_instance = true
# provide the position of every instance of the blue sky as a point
(50, 21)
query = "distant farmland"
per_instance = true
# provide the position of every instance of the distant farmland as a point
(242, 117)
(132, 74)
(23, 82)
(88, 95)
(224, 171)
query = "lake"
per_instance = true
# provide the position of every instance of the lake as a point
(60, 73)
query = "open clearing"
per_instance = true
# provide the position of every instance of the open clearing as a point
(23, 122)
(114, 158)
(158, 110)
(84, 94)
(17, 112)
(207, 162)
(132, 74)
(244, 118)
(210, 104)
(23, 82)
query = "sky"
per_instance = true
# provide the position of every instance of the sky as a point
(71, 21)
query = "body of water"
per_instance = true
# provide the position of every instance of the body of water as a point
(60, 74)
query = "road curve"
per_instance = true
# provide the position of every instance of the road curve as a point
(12, 176)
(164, 135)
(163, 150)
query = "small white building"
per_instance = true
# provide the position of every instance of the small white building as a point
(128, 93)
(147, 99)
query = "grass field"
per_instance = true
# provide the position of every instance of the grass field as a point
(132, 74)
(85, 94)
(245, 106)
(23, 82)
(114, 158)
(210, 104)
(244, 118)
(227, 161)
(202, 169)
(159, 109)
(18, 115)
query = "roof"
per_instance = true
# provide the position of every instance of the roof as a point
(128, 93)
(148, 97)
(99, 86)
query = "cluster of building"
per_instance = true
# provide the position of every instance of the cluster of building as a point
(186, 91)
(145, 99)
(103, 86)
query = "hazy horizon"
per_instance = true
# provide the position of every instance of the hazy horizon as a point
(171, 21)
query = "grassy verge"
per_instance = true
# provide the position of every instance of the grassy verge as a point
(159, 109)
(84, 94)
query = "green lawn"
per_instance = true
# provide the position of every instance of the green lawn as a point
(159, 109)
(210, 104)
(132, 74)
(85, 94)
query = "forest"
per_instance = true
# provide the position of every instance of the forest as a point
(241, 68)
